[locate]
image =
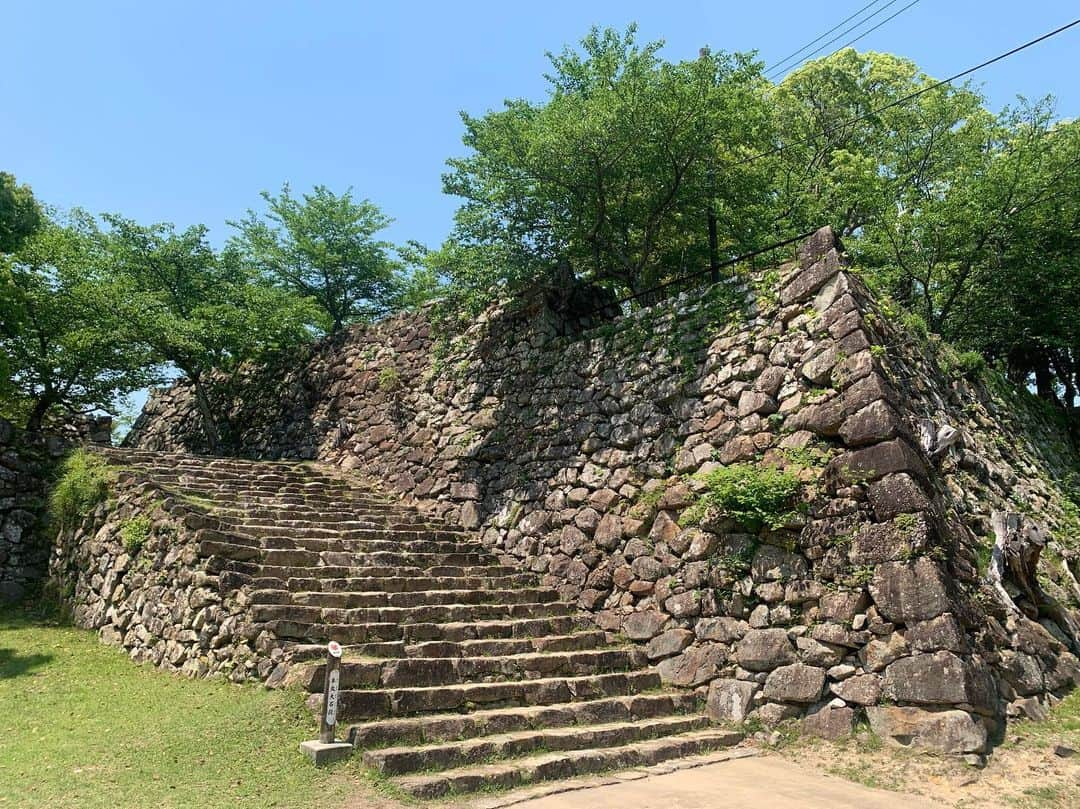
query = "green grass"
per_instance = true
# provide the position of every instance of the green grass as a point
(1062, 727)
(83, 726)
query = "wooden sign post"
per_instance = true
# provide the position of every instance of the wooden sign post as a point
(324, 749)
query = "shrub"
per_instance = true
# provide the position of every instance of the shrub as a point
(83, 482)
(134, 533)
(389, 379)
(751, 495)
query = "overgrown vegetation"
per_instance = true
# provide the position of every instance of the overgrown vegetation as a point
(134, 533)
(389, 379)
(754, 496)
(83, 480)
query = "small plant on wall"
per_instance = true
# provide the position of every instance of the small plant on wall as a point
(389, 379)
(754, 496)
(83, 481)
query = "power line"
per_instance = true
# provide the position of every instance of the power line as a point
(892, 16)
(730, 262)
(776, 70)
(910, 96)
(814, 42)
(826, 131)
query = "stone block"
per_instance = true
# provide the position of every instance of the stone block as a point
(729, 700)
(950, 731)
(896, 494)
(764, 650)
(829, 722)
(875, 422)
(941, 678)
(906, 592)
(795, 683)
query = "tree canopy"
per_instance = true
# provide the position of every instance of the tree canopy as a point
(59, 350)
(962, 215)
(612, 173)
(193, 308)
(20, 213)
(967, 218)
(322, 246)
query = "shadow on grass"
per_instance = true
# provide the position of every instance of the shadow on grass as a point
(13, 664)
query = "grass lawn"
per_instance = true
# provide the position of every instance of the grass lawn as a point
(82, 726)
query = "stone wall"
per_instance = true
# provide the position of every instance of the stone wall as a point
(143, 569)
(26, 461)
(580, 453)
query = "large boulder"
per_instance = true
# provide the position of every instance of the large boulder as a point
(941, 678)
(829, 721)
(644, 625)
(669, 643)
(942, 731)
(695, 666)
(765, 650)
(795, 683)
(730, 700)
(906, 592)
(863, 689)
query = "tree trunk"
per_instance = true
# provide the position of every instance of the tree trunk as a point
(37, 414)
(1018, 544)
(1044, 381)
(209, 425)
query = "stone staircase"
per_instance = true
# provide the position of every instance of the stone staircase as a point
(460, 671)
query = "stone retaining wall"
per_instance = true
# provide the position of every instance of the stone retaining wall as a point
(161, 595)
(580, 455)
(26, 461)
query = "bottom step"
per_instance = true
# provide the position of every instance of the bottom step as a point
(567, 764)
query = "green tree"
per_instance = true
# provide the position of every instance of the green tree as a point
(20, 213)
(323, 246)
(195, 309)
(59, 353)
(613, 173)
(965, 217)
(851, 150)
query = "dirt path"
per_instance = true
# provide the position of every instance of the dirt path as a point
(764, 782)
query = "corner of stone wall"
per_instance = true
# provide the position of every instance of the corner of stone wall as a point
(173, 597)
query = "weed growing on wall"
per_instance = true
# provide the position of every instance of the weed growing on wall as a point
(83, 481)
(753, 496)
(134, 533)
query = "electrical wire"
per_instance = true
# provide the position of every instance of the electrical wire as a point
(852, 41)
(815, 41)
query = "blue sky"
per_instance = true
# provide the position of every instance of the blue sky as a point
(183, 112)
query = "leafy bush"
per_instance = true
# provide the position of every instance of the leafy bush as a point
(84, 480)
(967, 364)
(389, 379)
(751, 495)
(134, 533)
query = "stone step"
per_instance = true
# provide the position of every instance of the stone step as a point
(417, 633)
(436, 728)
(586, 639)
(591, 639)
(336, 572)
(473, 752)
(401, 584)
(379, 545)
(423, 614)
(405, 701)
(354, 538)
(352, 526)
(565, 764)
(297, 557)
(432, 671)
(345, 600)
